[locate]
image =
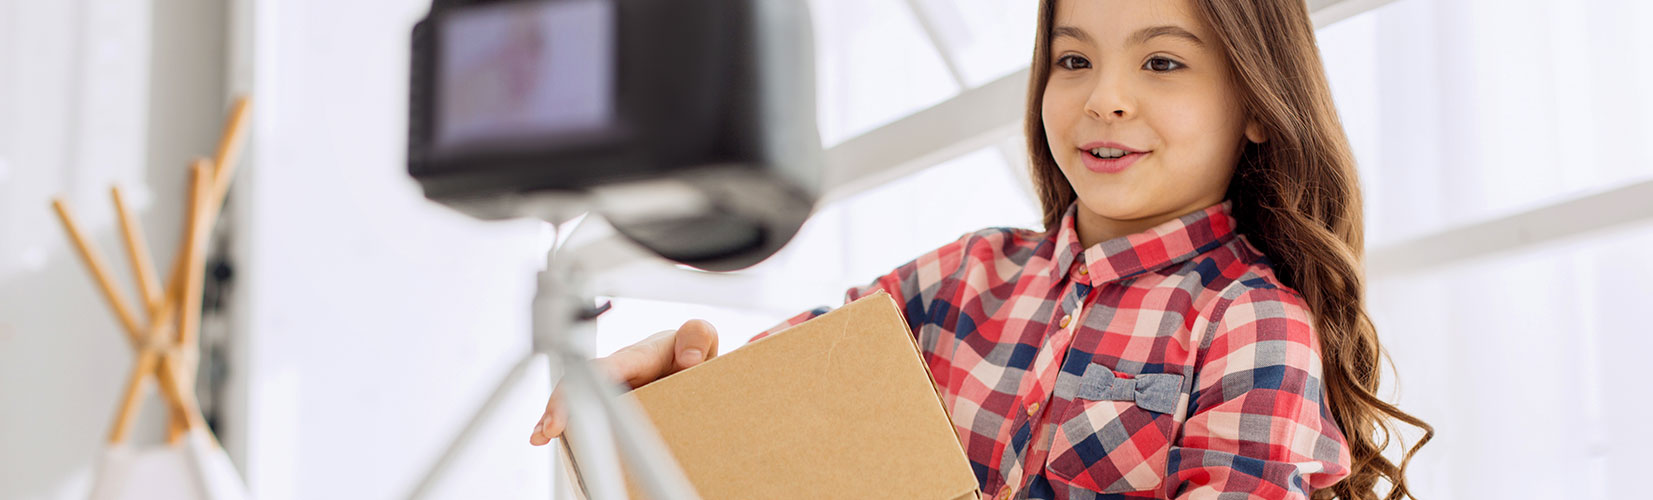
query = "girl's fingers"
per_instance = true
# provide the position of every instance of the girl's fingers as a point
(695, 342)
(636, 365)
(551, 422)
(643, 362)
(555, 417)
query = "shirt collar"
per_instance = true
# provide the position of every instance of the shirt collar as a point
(1171, 242)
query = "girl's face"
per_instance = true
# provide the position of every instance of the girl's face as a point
(1140, 112)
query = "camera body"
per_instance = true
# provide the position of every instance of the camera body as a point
(688, 124)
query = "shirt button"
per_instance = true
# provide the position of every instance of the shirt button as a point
(1033, 408)
(1004, 494)
(1084, 271)
(1066, 319)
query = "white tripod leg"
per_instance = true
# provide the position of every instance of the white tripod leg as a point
(439, 470)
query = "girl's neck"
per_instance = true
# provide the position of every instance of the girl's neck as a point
(1095, 228)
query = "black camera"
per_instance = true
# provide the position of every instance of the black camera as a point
(688, 124)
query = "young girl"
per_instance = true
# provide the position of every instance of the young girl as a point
(1191, 323)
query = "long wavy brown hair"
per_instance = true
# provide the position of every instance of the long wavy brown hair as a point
(1297, 198)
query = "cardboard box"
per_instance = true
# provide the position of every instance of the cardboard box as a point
(841, 406)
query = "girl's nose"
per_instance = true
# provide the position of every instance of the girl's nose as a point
(1109, 99)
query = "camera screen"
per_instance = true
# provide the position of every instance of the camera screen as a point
(522, 71)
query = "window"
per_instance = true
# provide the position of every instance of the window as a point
(1474, 116)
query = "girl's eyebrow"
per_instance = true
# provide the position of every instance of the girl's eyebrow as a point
(1144, 35)
(1070, 32)
(1140, 37)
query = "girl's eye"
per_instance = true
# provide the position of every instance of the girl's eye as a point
(1072, 62)
(1161, 65)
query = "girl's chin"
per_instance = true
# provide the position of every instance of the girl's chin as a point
(1115, 206)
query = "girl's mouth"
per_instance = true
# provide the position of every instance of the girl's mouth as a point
(1105, 160)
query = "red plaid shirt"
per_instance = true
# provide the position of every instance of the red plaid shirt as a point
(1170, 363)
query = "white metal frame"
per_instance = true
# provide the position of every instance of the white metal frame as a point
(929, 26)
(973, 119)
(1556, 222)
(1326, 12)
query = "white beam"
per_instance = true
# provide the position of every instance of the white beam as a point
(969, 121)
(926, 23)
(1326, 12)
(1557, 222)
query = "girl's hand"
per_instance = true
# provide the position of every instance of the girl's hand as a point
(638, 364)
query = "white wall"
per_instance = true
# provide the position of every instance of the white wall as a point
(92, 93)
(376, 320)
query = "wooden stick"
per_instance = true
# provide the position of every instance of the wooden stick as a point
(162, 318)
(161, 313)
(209, 185)
(129, 404)
(219, 174)
(228, 156)
(99, 270)
(196, 232)
(223, 171)
(177, 422)
(137, 250)
(155, 341)
(189, 315)
(183, 398)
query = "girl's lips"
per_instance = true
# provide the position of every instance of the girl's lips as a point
(1113, 166)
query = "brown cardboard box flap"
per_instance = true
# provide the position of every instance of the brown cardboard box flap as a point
(840, 406)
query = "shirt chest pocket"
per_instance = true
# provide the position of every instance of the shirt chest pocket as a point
(1115, 436)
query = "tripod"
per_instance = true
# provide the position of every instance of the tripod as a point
(606, 426)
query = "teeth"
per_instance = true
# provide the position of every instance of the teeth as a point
(1107, 152)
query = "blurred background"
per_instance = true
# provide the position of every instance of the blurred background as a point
(351, 327)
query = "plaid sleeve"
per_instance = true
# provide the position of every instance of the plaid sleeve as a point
(890, 283)
(907, 284)
(1258, 425)
(791, 322)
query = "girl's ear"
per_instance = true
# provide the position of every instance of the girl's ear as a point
(1254, 131)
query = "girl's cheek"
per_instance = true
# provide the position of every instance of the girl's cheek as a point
(1196, 125)
(1056, 113)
